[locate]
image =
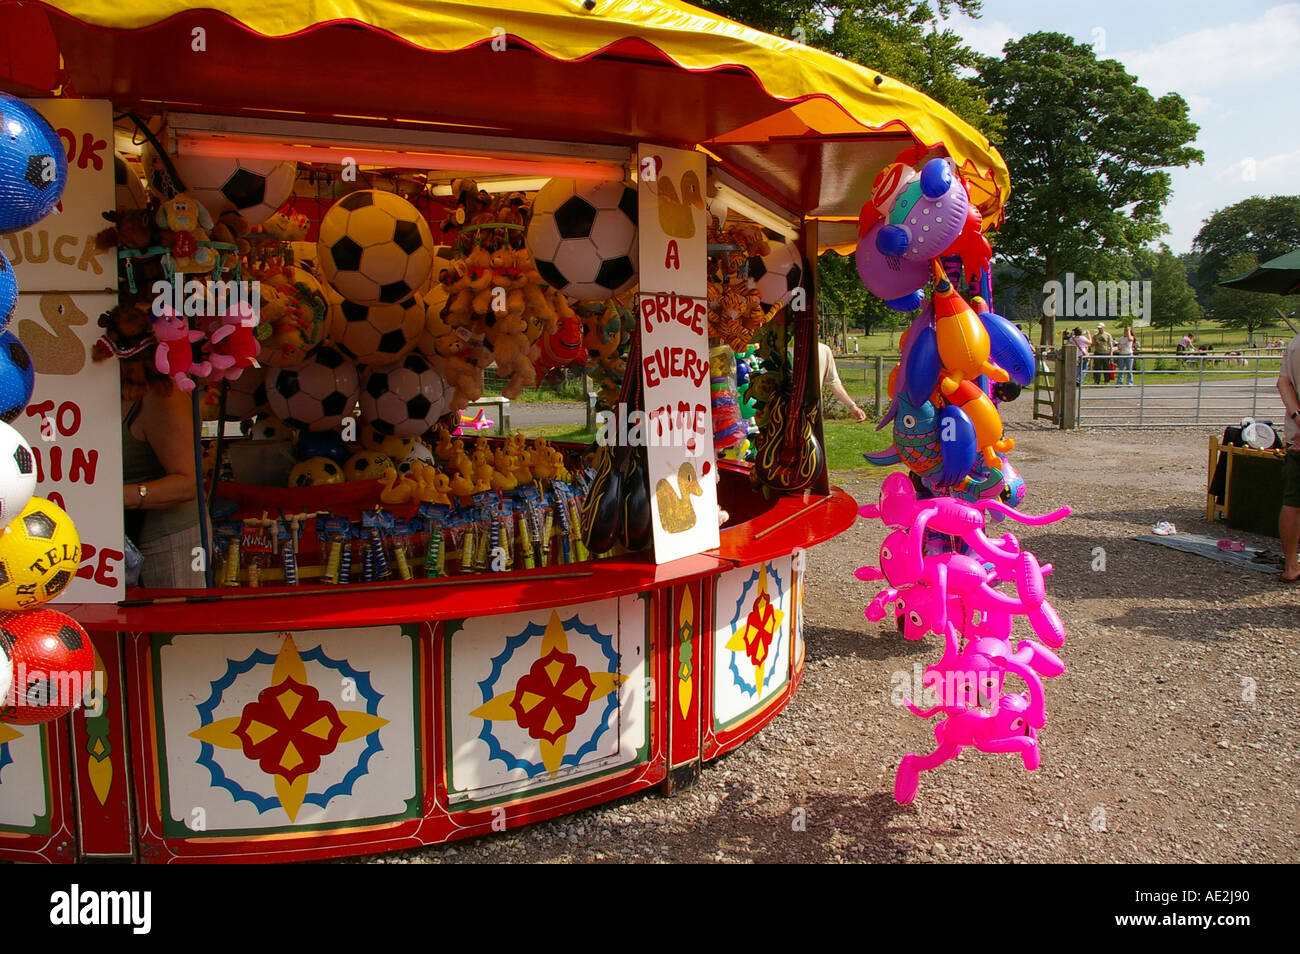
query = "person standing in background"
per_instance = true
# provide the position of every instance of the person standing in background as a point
(1082, 344)
(1125, 348)
(1103, 346)
(1288, 386)
(159, 492)
(830, 377)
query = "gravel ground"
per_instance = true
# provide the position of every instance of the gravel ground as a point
(1172, 736)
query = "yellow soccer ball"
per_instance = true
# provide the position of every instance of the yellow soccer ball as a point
(39, 555)
(366, 465)
(315, 472)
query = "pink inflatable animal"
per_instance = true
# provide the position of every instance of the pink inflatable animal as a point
(1011, 726)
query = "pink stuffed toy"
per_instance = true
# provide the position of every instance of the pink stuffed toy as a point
(174, 355)
(238, 343)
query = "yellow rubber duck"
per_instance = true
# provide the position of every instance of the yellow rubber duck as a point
(442, 448)
(397, 491)
(433, 483)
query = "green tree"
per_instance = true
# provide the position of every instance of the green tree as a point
(1233, 308)
(1173, 303)
(900, 38)
(844, 301)
(1088, 149)
(1265, 228)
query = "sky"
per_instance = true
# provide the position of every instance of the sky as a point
(1236, 63)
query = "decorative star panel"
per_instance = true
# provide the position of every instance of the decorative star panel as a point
(751, 640)
(539, 699)
(24, 798)
(287, 730)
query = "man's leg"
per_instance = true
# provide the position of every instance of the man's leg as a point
(1289, 520)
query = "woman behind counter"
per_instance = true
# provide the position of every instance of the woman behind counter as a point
(158, 493)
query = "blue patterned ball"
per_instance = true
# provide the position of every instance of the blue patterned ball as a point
(8, 291)
(33, 165)
(17, 376)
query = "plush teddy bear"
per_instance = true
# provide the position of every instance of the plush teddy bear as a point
(130, 228)
(478, 266)
(536, 300)
(127, 331)
(470, 201)
(452, 362)
(231, 228)
(455, 280)
(174, 356)
(190, 223)
(507, 274)
(512, 353)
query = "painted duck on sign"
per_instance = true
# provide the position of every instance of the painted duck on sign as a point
(676, 511)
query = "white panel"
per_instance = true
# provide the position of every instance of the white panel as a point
(749, 669)
(208, 678)
(23, 798)
(494, 661)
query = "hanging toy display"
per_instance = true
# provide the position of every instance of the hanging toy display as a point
(375, 248)
(53, 657)
(957, 595)
(944, 574)
(33, 166)
(17, 376)
(729, 430)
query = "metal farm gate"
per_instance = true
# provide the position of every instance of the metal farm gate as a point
(1200, 389)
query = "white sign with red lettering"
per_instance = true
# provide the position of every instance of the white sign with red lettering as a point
(58, 253)
(672, 221)
(75, 429)
(72, 420)
(673, 322)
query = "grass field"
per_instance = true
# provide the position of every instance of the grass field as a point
(846, 441)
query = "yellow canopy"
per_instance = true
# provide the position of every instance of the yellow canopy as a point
(805, 127)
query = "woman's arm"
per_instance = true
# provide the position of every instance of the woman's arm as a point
(168, 425)
(841, 393)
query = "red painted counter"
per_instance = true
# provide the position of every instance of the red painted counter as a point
(345, 720)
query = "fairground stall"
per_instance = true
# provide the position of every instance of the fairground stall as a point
(325, 222)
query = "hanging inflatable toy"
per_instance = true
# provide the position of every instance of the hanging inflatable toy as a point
(8, 291)
(1011, 726)
(54, 656)
(926, 215)
(917, 444)
(987, 434)
(33, 166)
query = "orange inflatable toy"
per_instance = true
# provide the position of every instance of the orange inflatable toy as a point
(963, 340)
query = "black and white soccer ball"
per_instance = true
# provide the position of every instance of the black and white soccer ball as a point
(419, 452)
(375, 334)
(777, 275)
(269, 428)
(317, 394)
(405, 398)
(583, 237)
(255, 188)
(17, 474)
(375, 248)
(246, 395)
